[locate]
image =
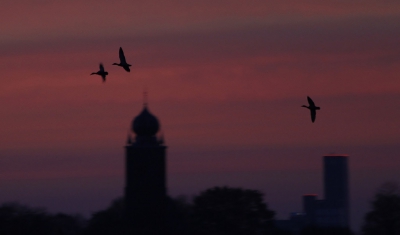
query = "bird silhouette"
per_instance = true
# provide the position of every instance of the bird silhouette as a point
(313, 109)
(122, 60)
(101, 72)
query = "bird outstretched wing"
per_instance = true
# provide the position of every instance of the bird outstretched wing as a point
(101, 68)
(121, 56)
(313, 114)
(310, 101)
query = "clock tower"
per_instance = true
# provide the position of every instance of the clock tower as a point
(145, 176)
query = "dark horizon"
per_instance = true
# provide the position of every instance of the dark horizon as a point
(55, 194)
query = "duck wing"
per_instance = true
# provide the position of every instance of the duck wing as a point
(313, 114)
(122, 56)
(101, 68)
(310, 102)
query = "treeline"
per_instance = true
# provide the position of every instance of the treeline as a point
(219, 210)
(17, 219)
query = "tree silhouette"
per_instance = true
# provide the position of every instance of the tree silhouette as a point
(17, 219)
(109, 221)
(178, 215)
(326, 231)
(384, 219)
(230, 211)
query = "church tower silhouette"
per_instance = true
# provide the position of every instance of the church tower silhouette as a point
(145, 182)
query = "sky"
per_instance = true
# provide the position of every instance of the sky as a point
(226, 80)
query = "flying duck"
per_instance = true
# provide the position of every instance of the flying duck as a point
(101, 72)
(313, 109)
(123, 63)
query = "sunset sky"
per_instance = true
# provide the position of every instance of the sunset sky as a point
(225, 78)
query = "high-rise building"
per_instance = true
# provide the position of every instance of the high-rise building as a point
(145, 182)
(331, 212)
(335, 209)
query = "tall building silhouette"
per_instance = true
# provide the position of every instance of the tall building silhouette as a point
(336, 191)
(333, 210)
(145, 182)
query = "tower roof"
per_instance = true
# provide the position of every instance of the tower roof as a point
(145, 124)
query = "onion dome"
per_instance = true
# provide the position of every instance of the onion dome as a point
(145, 124)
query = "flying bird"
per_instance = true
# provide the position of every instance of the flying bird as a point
(313, 109)
(101, 72)
(122, 60)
